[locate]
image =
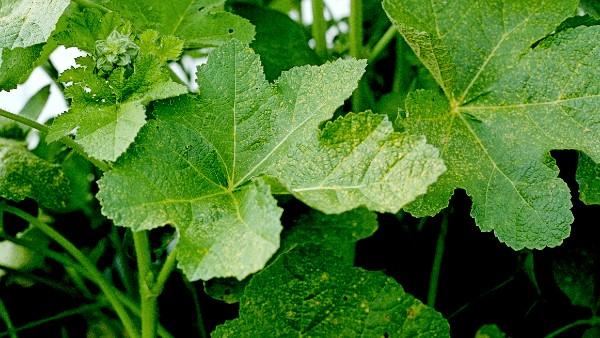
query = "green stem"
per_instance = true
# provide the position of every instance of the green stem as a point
(387, 37)
(146, 281)
(92, 4)
(67, 262)
(594, 321)
(199, 319)
(91, 269)
(61, 315)
(319, 28)
(356, 37)
(12, 332)
(164, 273)
(41, 280)
(437, 262)
(65, 140)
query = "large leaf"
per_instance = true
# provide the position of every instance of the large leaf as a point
(24, 175)
(107, 113)
(505, 107)
(199, 23)
(28, 22)
(194, 166)
(308, 292)
(588, 177)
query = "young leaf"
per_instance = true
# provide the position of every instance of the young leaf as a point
(200, 23)
(107, 113)
(490, 331)
(588, 177)
(194, 166)
(505, 107)
(309, 292)
(24, 175)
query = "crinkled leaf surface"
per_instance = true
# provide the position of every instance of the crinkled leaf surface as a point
(490, 331)
(199, 23)
(193, 165)
(28, 22)
(309, 292)
(505, 107)
(108, 113)
(24, 175)
(588, 178)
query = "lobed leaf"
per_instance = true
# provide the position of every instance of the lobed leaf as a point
(506, 105)
(308, 292)
(195, 164)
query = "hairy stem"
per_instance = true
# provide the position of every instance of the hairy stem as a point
(383, 42)
(437, 262)
(91, 269)
(146, 281)
(594, 321)
(319, 28)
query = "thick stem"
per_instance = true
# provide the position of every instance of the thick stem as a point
(356, 37)
(319, 28)
(383, 42)
(91, 269)
(594, 321)
(145, 280)
(437, 262)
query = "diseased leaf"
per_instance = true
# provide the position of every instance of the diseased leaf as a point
(107, 113)
(199, 23)
(337, 233)
(24, 175)
(359, 160)
(308, 292)
(588, 177)
(196, 165)
(28, 22)
(506, 106)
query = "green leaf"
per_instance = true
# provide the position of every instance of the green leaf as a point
(200, 23)
(26, 23)
(506, 106)
(194, 166)
(19, 257)
(308, 292)
(108, 113)
(17, 64)
(490, 331)
(576, 274)
(337, 233)
(591, 7)
(588, 177)
(276, 32)
(24, 175)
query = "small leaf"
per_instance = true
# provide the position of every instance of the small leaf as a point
(588, 178)
(24, 175)
(490, 331)
(17, 64)
(309, 292)
(576, 273)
